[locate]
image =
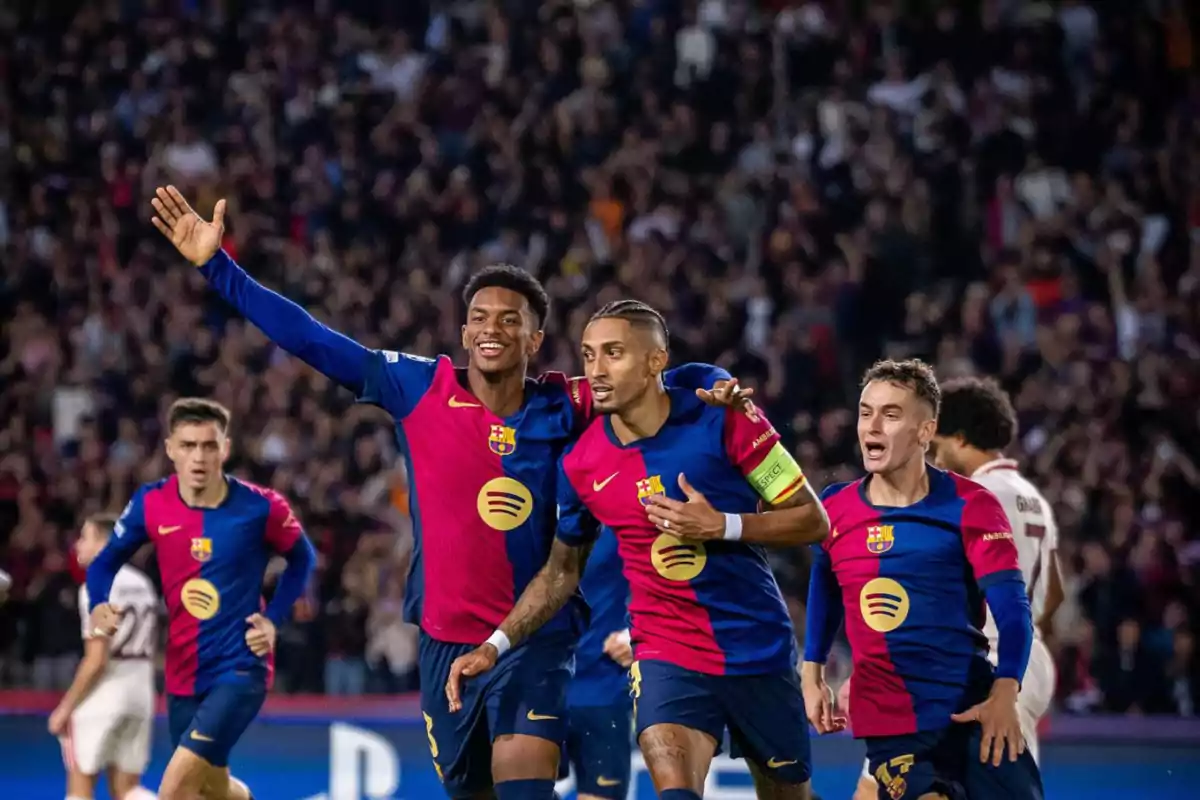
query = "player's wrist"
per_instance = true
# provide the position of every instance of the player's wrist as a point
(733, 527)
(500, 642)
(1006, 686)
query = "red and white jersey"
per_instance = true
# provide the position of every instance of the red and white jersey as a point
(1034, 531)
(127, 685)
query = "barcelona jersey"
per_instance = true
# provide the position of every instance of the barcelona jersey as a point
(911, 582)
(212, 562)
(711, 607)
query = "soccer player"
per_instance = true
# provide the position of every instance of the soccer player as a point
(975, 426)
(913, 553)
(599, 709)
(213, 535)
(105, 719)
(713, 641)
(481, 444)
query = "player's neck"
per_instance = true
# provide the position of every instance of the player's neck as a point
(209, 496)
(905, 486)
(501, 394)
(974, 459)
(643, 418)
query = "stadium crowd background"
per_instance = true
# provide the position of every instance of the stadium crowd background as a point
(801, 187)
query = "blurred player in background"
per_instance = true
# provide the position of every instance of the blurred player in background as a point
(105, 719)
(913, 554)
(976, 424)
(213, 535)
(481, 445)
(599, 708)
(712, 637)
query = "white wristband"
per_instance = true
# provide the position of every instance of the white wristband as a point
(733, 527)
(499, 640)
(623, 636)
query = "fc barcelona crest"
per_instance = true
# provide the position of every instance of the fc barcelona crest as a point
(502, 440)
(649, 487)
(880, 538)
(202, 548)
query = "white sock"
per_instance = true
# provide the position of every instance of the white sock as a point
(140, 793)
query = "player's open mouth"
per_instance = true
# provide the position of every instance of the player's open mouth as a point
(873, 450)
(601, 392)
(490, 349)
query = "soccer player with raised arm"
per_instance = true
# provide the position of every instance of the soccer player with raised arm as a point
(481, 444)
(213, 536)
(599, 709)
(913, 553)
(679, 483)
(105, 719)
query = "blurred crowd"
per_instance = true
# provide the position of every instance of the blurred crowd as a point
(801, 186)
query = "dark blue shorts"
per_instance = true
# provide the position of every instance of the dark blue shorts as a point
(947, 762)
(525, 693)
(600, 744)
(210, 724)
(764, 714)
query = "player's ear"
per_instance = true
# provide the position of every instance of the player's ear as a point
(658, 361)
(535, 341)
(466, 345)
(226, 446)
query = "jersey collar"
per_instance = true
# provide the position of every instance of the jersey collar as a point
(994, 465)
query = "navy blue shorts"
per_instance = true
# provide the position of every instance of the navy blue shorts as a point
(764, 714)
(600, 744)
(210, 724)
(947, 762)
(525, 693)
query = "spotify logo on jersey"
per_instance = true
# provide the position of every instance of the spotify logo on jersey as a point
(676, 559)
(884, 604)
(504, 503)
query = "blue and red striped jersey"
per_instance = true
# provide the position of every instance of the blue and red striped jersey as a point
(712, 607)
(481, 488)
(911, 582)
(212, 562)
(600, 681)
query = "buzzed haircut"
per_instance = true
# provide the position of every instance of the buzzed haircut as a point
(103, 522)
(191, 410)
(506, 276)
(978, 410)
(638, 314)
(913, 374)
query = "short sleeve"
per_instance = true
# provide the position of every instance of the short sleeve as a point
(987, 538)
(85, 613)
(576, 525)
(283, 529)
(396, 382)
(753, 445)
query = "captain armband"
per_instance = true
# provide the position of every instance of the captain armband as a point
(778, 476)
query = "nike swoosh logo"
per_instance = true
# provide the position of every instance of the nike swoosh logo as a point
(532, 717)
(456, 403)
(775, 763)
(602, 781)
(599, 485)
(200, 737)
(163, 530)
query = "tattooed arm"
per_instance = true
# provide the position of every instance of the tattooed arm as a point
(548, 592)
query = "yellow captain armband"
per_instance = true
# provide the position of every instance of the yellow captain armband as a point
(778, 476)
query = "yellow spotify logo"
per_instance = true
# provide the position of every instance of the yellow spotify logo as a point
(201, 599)
(676, 559)
(504, 503)
(884, 604)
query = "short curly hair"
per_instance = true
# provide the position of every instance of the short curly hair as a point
(913, 374)
(978, 410)
(506, 276)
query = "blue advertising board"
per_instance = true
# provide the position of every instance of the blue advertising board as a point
(311, 758)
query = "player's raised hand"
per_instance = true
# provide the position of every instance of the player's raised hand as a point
(195, 239)
(821, 707)
(476, 662)
(727, 393)
(695, 519)
(1000, 723)
(260, 637)
(618, 648)
(106, 618)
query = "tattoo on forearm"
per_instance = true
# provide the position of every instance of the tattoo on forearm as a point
(548, 592)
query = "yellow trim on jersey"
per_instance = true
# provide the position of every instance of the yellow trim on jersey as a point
(778, 476)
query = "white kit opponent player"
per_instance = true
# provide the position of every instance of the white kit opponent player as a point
(105, 719)
(976, 424)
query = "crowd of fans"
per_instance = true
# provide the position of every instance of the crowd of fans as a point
(800, 186)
